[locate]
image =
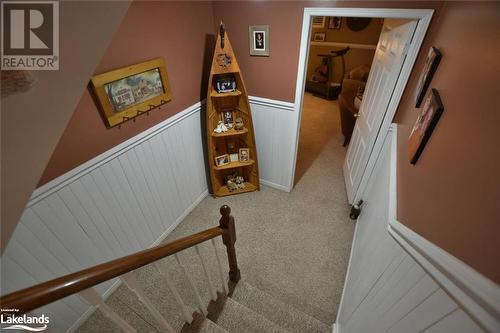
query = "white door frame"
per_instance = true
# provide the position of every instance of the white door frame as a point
(424, 18)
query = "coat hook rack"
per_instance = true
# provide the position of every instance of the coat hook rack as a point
(139, 112)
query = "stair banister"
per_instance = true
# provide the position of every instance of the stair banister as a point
(47, 292)
(226, 222)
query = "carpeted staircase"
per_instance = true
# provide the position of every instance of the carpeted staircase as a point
(247, 310)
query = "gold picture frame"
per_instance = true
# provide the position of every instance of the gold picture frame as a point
(244, 155)
(128, 92)
(222, 160)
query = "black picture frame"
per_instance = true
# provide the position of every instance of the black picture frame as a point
(227, 118)
(424, 125)
(225, 84)
(431, 63)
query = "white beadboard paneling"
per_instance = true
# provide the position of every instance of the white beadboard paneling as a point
(434, 308)
(123, 201)
(273, 126)
(388, 289)
(456, 322)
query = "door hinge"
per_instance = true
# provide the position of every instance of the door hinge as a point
(356, 210)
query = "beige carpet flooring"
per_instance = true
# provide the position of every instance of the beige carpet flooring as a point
(320, 124)
(293, 246)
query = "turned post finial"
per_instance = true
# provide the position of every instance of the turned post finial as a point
(225, 211)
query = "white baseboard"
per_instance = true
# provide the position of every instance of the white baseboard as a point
(336, 328)
(86, 315)
(276, 186)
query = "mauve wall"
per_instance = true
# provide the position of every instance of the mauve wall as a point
(355, 57)
(275, 76)
(33, 121)
(176, 31)
(451, 195)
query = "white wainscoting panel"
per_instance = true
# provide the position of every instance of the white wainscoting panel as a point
(123, 201)
(387, 288)
(274, 134)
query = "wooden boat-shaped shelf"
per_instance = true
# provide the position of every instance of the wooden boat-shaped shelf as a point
(224, 65)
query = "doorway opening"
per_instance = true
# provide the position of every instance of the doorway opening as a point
(325, 91)
(341, 51)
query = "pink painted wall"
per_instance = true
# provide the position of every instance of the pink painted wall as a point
(176, 31)
(451, 195)
(33, 121)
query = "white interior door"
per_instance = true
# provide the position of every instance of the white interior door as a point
(389, 57)
(371, 238)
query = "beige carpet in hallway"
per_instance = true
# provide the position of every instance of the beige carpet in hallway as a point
(295, 246)
(292, 246)
(320, 123)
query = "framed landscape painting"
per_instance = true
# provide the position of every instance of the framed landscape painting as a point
(127, 92)
(425, 124)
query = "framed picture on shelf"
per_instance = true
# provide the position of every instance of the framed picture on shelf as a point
(227, 118)
(234, 157)
(244, 154)
(425, 124)
(319, 37)
(222, 160)
(335, 22)
(259, 40)
(431, 64)
(127, 92)
(225, 84)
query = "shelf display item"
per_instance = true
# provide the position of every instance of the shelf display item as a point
(238, 124)
(230, 136)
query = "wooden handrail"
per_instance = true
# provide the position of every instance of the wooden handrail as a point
(53, 290)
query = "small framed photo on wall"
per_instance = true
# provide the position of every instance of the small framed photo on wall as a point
(259, 40)
(425, 124)
(335, 22)
(319, 37)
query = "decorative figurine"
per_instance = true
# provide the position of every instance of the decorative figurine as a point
(220, 127)
(238, 124)
(240, 182)
(231, 185)
(223, 60)
(235, 182)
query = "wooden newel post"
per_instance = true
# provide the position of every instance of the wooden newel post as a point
(229, 238)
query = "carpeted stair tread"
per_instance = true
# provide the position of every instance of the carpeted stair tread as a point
(237, 318)
(210, 327)
(276, 311)
(202, 325)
